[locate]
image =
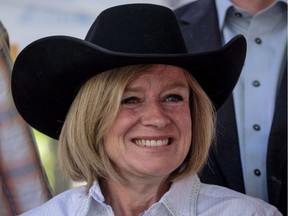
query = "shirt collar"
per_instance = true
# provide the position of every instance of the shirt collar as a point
(182, 197)
(223, 6)
(96, 193)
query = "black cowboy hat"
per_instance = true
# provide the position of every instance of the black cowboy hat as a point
(48, 72)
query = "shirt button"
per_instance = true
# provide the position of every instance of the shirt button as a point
(257, 172)
(238, 14)
(258, 40)
(256, 83)
(256, 127)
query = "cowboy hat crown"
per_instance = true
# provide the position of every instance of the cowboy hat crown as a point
(137, 28)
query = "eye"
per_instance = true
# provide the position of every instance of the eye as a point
(173, 98)
(130, 100)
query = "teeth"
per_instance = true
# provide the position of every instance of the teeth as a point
(143, 142)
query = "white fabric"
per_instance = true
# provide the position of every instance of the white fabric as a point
(187, 197)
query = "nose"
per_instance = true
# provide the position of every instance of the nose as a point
(154, 115)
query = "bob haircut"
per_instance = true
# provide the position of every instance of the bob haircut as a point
(81, 145)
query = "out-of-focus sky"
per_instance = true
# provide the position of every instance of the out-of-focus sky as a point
(28, 20)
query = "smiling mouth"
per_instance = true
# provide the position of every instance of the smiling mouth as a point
(143, 142)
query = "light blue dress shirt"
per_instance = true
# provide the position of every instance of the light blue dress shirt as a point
(186, 197)
(255, 93)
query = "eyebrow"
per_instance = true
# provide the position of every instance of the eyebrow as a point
(169, 86)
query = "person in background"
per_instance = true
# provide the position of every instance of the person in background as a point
(134, 114)
(250, 154)
(23, 184)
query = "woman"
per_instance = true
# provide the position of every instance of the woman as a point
(135, 112)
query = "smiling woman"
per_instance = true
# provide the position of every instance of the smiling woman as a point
(142, 105)
(134, 115)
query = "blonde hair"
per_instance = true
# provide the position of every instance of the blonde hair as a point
(92, 113)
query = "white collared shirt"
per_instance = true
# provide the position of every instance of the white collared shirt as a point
(255, 92)
(186, 197)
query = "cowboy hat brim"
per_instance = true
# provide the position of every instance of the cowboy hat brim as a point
(48, 73)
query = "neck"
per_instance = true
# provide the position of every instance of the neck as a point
(133, 199)
(253, 6)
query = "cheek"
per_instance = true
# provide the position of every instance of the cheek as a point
(123, 122)
(184, 119)
(184, 123)
(113, 144)
(116, 139)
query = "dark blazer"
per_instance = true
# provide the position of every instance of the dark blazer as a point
(199, 24)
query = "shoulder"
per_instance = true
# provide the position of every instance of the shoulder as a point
(194, 6)
(185, 10)
(222, 200)
(66, 203)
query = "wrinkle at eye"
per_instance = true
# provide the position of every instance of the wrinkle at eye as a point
(130, 100)
(174, 98)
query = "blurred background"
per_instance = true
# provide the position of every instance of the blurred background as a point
(29, 20)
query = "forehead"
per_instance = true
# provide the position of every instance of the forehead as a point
(161, 73)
